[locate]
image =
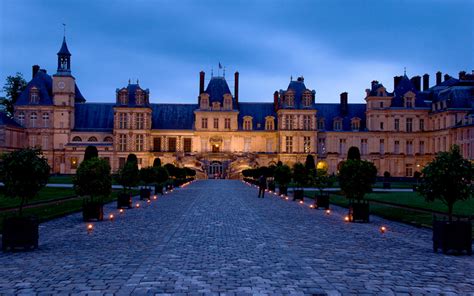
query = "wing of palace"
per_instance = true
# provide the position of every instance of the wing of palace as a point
(400, 131)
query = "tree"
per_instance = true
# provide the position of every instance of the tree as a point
(147, 175)
(322, 180)
(447, 178)
(300, 175)
(283, 175)
(161, 175)
(171, 169)
(132, 158)
(13, 88)
(309, 163)
(93, 178)
(157, 162)
(190, 172)
(128, 176)
(353, 153)
(24, 172)
(91, 152)
(356, 178)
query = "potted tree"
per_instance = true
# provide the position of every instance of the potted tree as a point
(448, 178)
(283, 178)
(171, 173)
(161, 176)
(300, 177)
(386, 180)
(24, 172)
(322, 180)
(93, 180)
(128, 177)
(271, 176)
(147, 176)
(355, 179)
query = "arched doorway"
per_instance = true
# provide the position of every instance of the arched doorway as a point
(215, 148)
(215, 170)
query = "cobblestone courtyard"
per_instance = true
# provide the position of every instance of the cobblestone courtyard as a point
(216, 236)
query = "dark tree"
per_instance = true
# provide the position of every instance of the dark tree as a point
(161, 175)
(353, 153)
(356, 178)
(24, 172)
(309, 163)
(128, 176)
(93, 178)
(279, 164)
(132, 158)
(13, 88)
(157, 162)
(147, 175)
(300, 175)
(322, 180)
(91, 152)
(171, 169)
(283, 175)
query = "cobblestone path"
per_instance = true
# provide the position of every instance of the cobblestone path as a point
(216, 237)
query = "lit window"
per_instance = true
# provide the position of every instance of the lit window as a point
(289, 144)
(74, 163)
(140, 121)
(307, 144)
(122, 142)
(203, 122)
(139, 140)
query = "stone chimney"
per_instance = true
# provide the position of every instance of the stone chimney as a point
(236, 87)
(446, 77)
(462, 75)
(439, 76)
(416, 80)
(426, 81)
(275, 100)
(396, 81)
(201, 82)
(344, 104)
(35, 70)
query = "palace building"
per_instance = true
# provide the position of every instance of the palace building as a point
(400, 131)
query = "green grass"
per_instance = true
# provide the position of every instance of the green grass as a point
(45, 194)
(66, 179)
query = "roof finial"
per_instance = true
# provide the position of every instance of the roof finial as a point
(291, 78)
(223, 72)
(405, 71)
(212, 72)
(137, 81)
(128, 80)
(64, 28)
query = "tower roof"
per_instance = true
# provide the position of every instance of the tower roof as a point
(217, 88)
(64, 50)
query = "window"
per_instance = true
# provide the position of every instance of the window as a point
(21, 118)
(45, 119)
(409, 125)
(123, 97)
(321, 124)
(397, 124)
(139, 97)
(247, 123)
(381, 105)
(269, 123)
(289, 144)
(382, 146)
(172, 144)
(227, 123)
(421, 147)
(187, 144)
(108, 139)
(381, 125)
(33, 118)
(216, 105)
(409, 147)
(342, 146)
(321, 145)
(363, 147)
(157, 144)
(203, 122)
(74, 163)
(122, 142)
(216, 123)
(290, 99)
(77, 139)
(34, 95)
(140, 121)
(289, 122)
(247, 142)
(422, 124)
(337, 124)
(307, 98)
(307, 122)
(409, 170)
(122, 162)
(139, 141)
(44, 144)
(269, 145)
(307, 144)
(409, 102)
(228, 103)
(204, 102)
(122, 120)
(396, 148)
(92, 139)
(355, 124)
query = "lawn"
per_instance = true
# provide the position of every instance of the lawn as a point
(67, 179)
(45, 194)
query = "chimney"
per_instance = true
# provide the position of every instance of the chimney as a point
(426, 82)
(446, 77)
(374, 83)
(236, 87)
(35, 70)
(275, 100)
(396, 81)
(201, 82)
(344, 104)
(462, 75)
(438, 77)
(416, 80)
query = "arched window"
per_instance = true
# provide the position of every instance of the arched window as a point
(92, 139)
(123, 97)
(34, 95)
(33, 118)
(108, 139)
(21, 118)
(269, 123)
(45, 119)
(77, 139)
(139, 97)
(247, 123)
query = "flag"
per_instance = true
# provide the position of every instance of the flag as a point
(220, 66)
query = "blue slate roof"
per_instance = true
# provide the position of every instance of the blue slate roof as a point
(298, 87)
(405, 85)
(173, 116)
(258, 111)
(216, 89)
(64, 50)
(5, 120)
(131, 89)
(330, 111)
(94, 117)
(44, 83)
(458, 96)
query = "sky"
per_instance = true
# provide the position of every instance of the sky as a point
(335, 45)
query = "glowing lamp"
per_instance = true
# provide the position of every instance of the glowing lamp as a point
(301, 202)
(287, 198)
(311, 206)
(121, 211)
(148, 201)
(154, 197)
(90, 227)
(137, 205)
(111, 217)
(328, 212)
(346, 218)
(383, 229)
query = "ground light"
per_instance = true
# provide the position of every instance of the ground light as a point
(328, 212)
(346, 218)
(301, 202)
(154, 197)
(383, 229)
(121, 211)
(90, 228)
(148, 201)
(311, 206)
(111, 217)
(137, 205)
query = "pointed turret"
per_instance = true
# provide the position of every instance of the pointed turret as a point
(64, 59)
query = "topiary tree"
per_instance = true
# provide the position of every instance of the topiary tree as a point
(147, 175)
(447, 178)
(356, 178)
(128, 176)
(300, 176)
(309, 163)
(132, 158)
(189, 172)
(24, 172)
(322, 180)
(161, 175)
(91, 152)
(93, 178)
(353, 153)
(171, 169)
(283, 175)
(157, 162)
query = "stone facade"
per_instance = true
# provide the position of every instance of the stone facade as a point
(220, 136)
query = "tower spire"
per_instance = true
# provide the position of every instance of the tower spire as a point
(64, 57)
(64, 28)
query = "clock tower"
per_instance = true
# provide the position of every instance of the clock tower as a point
(63, 81)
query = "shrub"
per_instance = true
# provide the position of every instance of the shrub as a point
(171, 169)
(356, 178)
(353, 153)
(132, 158)
(322, 180)
(157, 162)
(147, 175)
(128, 176)
(91, 152)
(309, 163)
(93, 178)
(300, 175)
(161, 175)
(283, 175)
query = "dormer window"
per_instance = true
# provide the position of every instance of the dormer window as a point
(77, 139)
(227, 103)
(204, 102)
(355, 124)
(34, 95)
(216, 106)
(307, 99)
(247, 123)
(321, 125)
(337, 125)
(409, 102)
(290, 99)
(123, 97)
(21, 118)
(269, 123)
(139, 97)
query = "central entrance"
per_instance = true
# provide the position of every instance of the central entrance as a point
(215, 148)
(215, 170)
